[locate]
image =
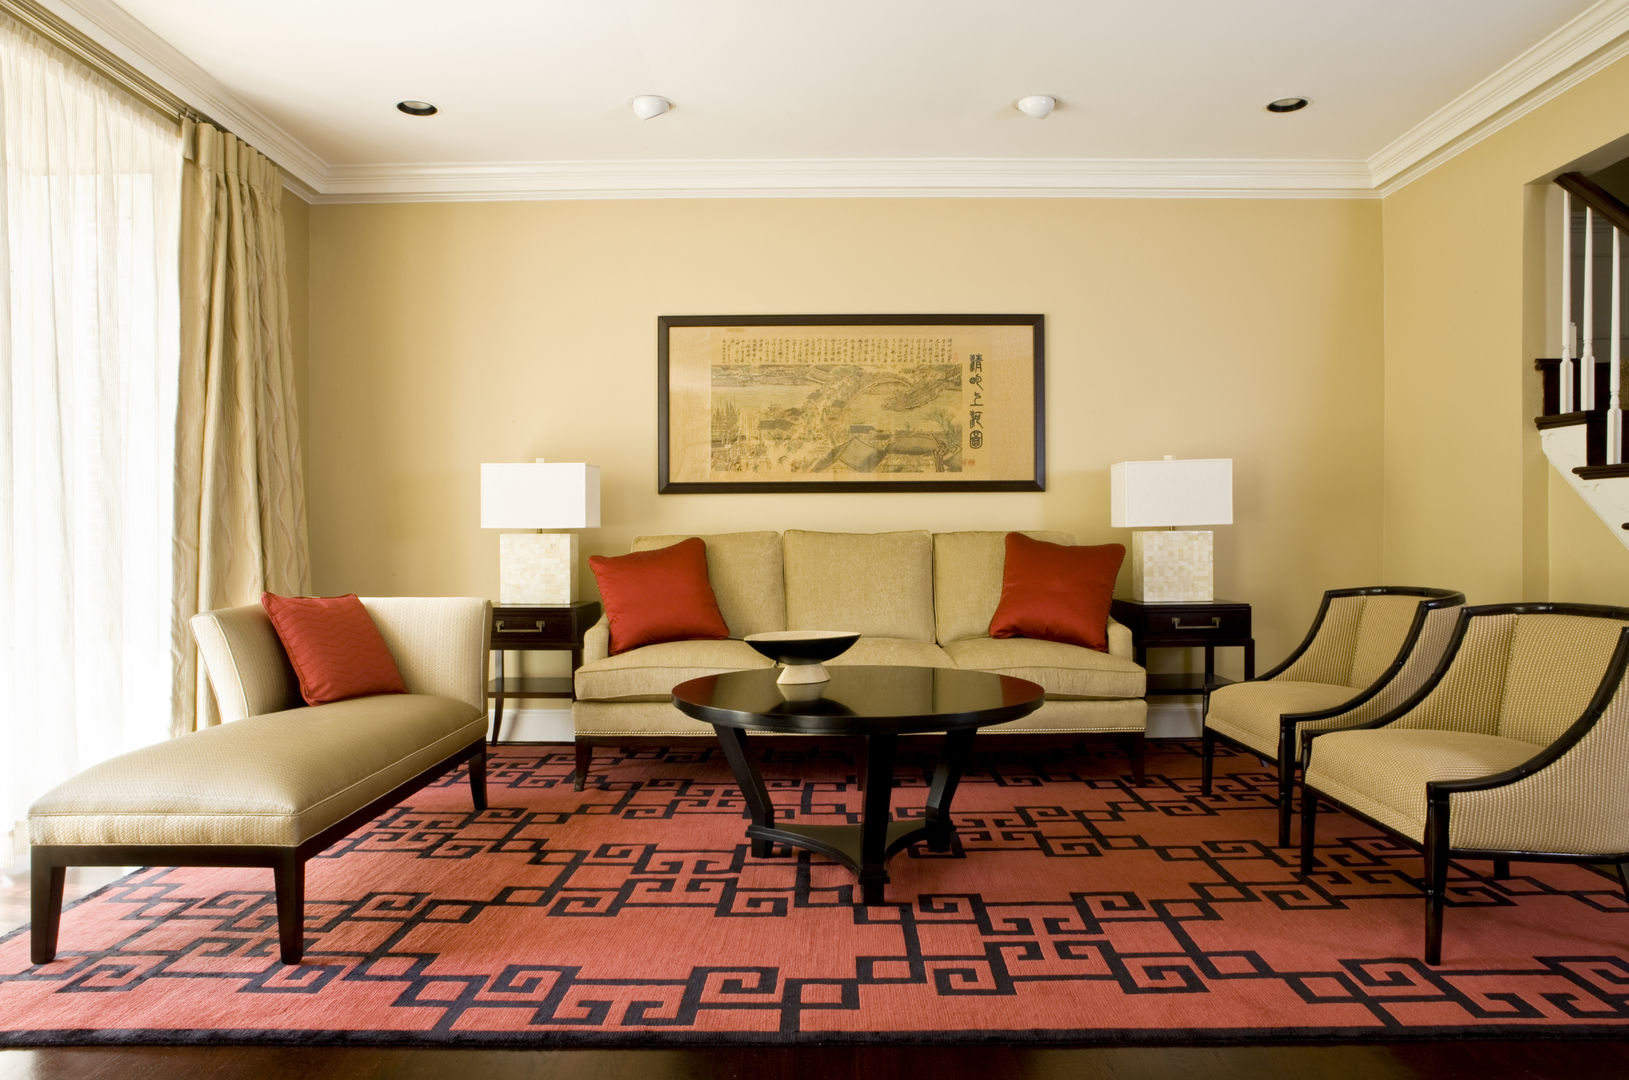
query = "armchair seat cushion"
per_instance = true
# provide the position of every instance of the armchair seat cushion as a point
(1249, 712)
(1382, 773)
(1064, 671)
(650, 673)
(272, 780)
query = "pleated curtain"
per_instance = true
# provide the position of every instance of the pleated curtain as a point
(240, 523)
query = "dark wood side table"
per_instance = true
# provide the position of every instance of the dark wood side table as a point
(529, 628)
(1190, 624)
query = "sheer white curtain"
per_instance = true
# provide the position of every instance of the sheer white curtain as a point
(89, 205)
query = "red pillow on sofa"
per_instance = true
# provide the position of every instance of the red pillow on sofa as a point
(660, 595)
(1057, 592)
(333, 646)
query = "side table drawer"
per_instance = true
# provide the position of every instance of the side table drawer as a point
(1202, 621)
(517, 627)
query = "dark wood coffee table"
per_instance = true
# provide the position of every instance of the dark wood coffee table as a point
(881, 704)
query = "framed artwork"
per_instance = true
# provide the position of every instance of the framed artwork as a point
(845, 403)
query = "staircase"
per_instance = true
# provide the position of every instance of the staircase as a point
(1582, 427)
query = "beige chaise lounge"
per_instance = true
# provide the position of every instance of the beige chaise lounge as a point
(278, 781)
(918, 598)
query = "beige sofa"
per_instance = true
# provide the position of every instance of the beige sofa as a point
(918, 598)
(278, 781)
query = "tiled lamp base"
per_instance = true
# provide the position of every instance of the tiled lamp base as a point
(1172, 566)
(537, 568)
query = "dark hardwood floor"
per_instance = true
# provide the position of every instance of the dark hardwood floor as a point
(1448, 1059)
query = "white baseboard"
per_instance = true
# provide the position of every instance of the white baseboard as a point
(1166, 720)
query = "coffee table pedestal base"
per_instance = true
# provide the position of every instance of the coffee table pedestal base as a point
(864, 848)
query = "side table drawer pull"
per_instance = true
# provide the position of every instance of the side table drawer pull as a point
(1215, 623)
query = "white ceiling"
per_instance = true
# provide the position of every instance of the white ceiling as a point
(869, 95)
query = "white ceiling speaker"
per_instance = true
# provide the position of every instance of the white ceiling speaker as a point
(1039, 106)
(646, 106)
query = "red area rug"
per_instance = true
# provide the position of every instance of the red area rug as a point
(1079, 910)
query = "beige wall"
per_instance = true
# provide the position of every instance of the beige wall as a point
(444, 335)
(1467, 503)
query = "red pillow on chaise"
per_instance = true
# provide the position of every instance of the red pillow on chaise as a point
(1057, 592)
(334, 647)
(660, 595)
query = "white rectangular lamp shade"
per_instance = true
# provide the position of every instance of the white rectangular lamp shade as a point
(1172, 565)
(539, 568)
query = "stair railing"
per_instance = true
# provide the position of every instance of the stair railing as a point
(1595, 201)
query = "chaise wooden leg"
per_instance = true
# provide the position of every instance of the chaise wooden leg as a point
(1207, 759)
(477, 778)
(46, 879)
(1501, 869)
(585, 755)
(1623, 879)
(289, 874)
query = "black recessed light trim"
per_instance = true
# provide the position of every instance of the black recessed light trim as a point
(1288, 104)
(424, 108)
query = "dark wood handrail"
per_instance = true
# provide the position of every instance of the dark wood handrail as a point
(1596, 197)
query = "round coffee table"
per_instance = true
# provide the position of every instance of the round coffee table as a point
(879, 703)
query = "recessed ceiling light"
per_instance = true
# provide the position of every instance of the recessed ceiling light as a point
(1288, 104)
(1039, 106)
(416, 108)
(646, 106)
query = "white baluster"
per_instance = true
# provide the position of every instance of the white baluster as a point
(1586, 359)
(1614, 403)
(1565, 371)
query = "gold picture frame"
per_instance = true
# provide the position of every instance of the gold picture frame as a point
(849, 403)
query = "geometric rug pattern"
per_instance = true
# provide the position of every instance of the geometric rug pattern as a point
(1074, 909)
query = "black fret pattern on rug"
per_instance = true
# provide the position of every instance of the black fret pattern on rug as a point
(1072, 902)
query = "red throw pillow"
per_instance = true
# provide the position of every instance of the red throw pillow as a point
(1057, 592)
(335, 649)
(660, 595)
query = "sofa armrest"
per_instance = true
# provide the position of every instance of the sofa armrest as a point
(1120, 641)
(247, 667)
(597, 640)
(440, 643)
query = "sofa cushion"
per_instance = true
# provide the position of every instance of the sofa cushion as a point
(660, 595)
(901, 652)
(1057, 592)
(651, 673)
(276, 779)
(745, 571)
(333, 646)
(873, 583)
(967, 569)
(1065, 671)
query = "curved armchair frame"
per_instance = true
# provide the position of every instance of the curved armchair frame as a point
(1435, 599)
(1436, 851)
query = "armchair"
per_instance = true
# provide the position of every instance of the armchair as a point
(1367, 651)
(1514, 748)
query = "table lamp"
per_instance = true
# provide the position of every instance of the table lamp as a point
(1175, 564)
(539, 568)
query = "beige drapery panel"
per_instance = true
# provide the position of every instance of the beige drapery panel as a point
(240, 495)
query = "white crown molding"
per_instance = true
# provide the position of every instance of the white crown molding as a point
(854, 178)
(114, 28)
(1562, 60)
